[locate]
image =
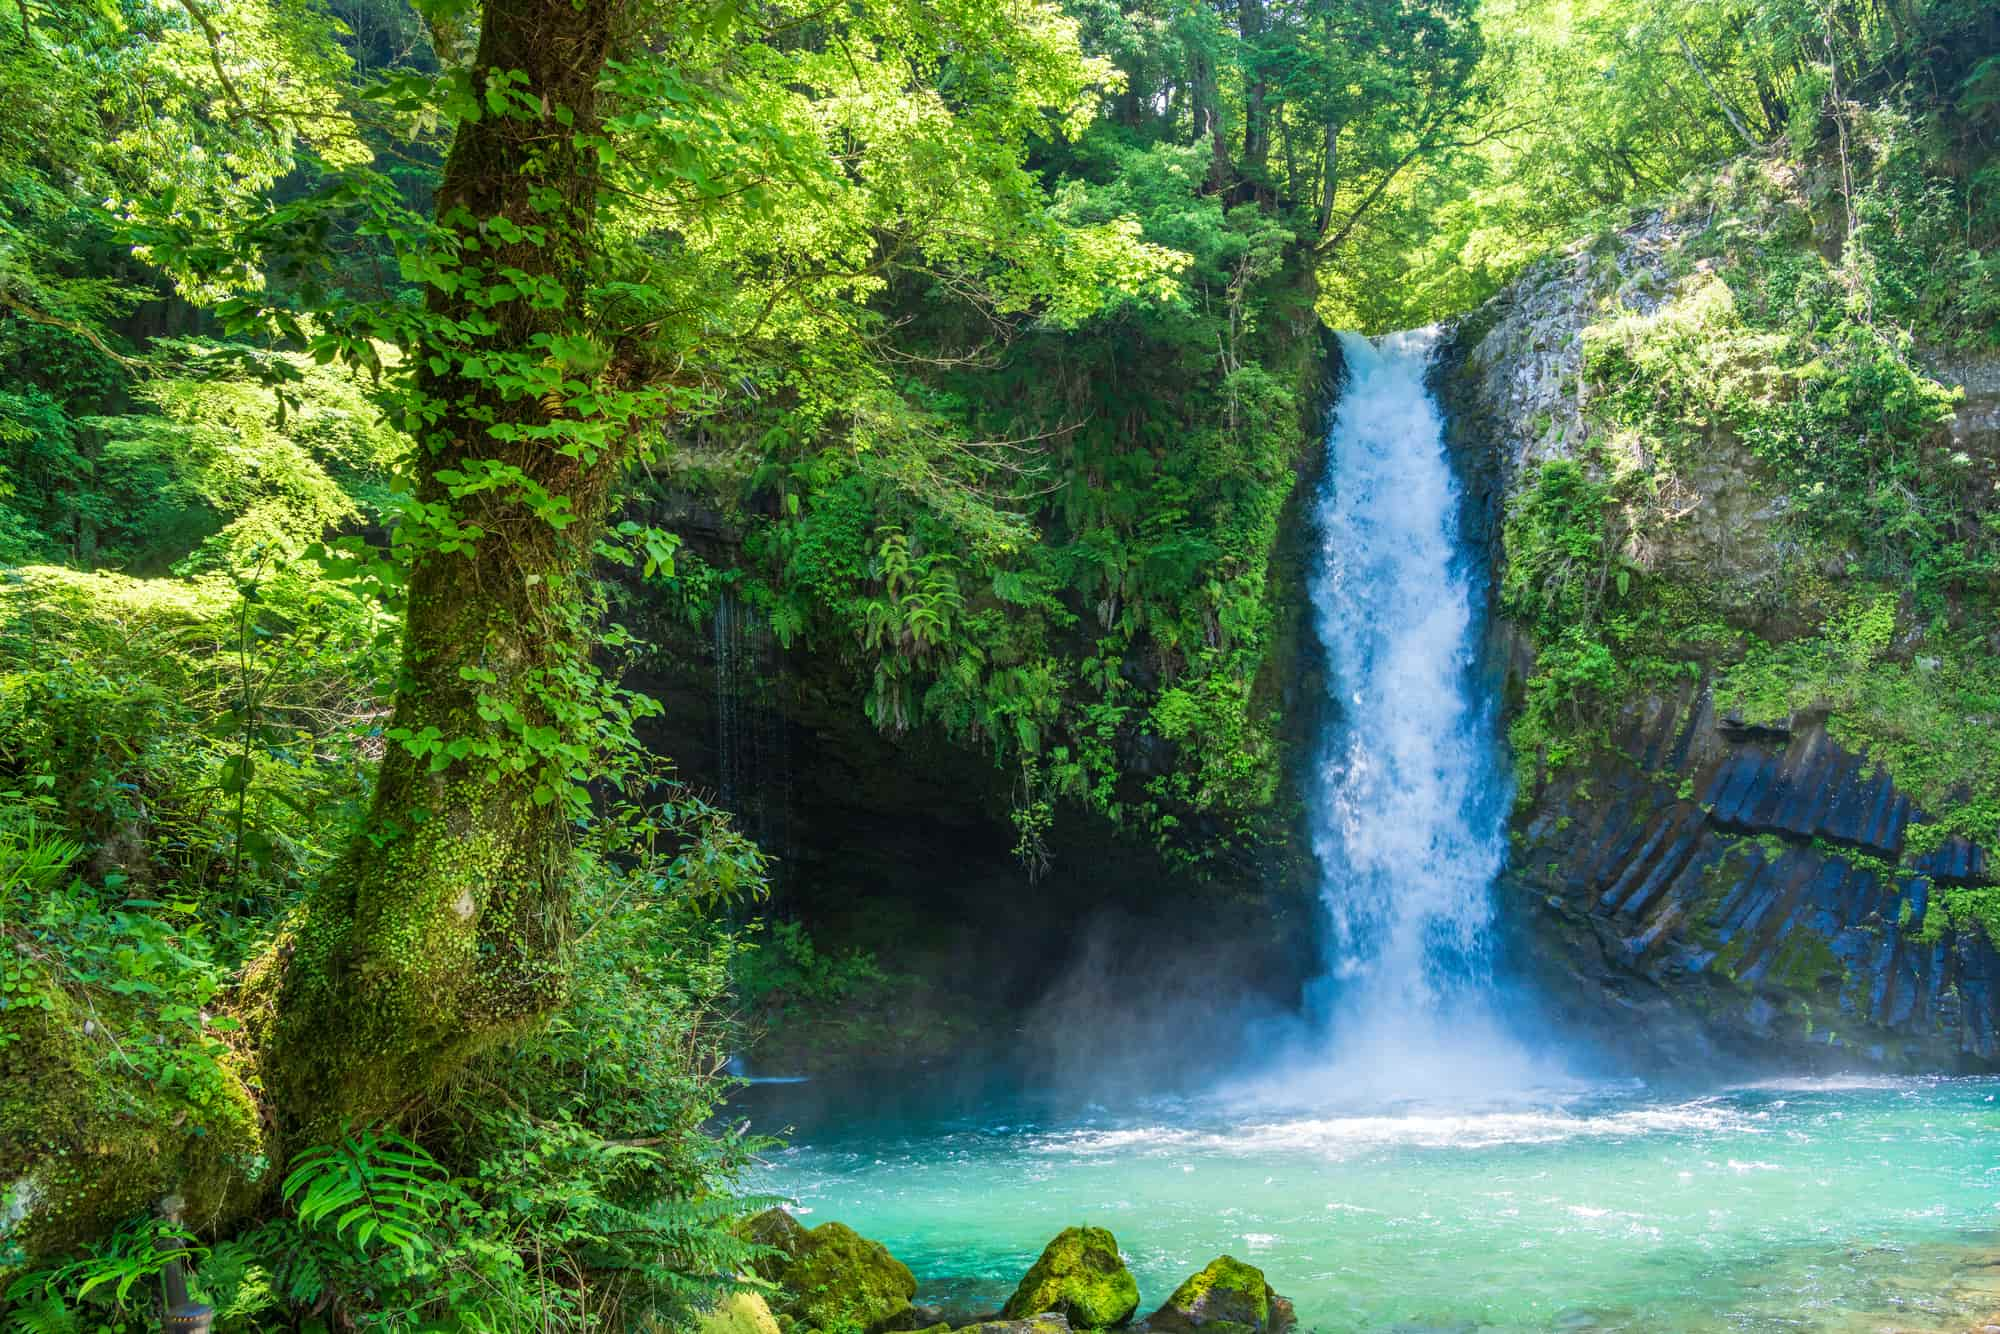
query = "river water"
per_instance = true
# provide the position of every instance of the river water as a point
(1410, 1155)
(1824, 1205)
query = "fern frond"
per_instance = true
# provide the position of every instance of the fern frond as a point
(51, 1315)
(373, 1186)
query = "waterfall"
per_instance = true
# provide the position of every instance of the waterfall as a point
(1409, 815)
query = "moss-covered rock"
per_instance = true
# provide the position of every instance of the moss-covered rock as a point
(834, 1278)
(739, 1313)
(1227, 1297)
(1752, 820)
(1048, 1322)
(1081, 1277)
(89, 1138)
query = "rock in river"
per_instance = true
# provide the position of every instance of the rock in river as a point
(1081, 1277)
(1228, 1297)
(833, 1277)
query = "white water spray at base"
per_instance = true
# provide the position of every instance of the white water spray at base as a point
(1409, 816)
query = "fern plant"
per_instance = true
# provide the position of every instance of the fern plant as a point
(48, 1315)
(119, 1275)
(373, 1186)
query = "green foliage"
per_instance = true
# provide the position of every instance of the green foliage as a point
(572, 1180)
(1778, 351)
(148, 971)
(121, 1273)
(1595, 109)
(786, 964)
(1798, 362)
(1909, 711)
(199, 737)
(370, 1187)
(1092, 579)
(122, 102)
(1055, 538)
(1555, 583)
(804, 1007)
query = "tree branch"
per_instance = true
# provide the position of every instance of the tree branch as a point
(1729, 112)
(83, 331)
(215, 60)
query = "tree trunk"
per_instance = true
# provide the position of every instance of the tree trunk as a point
(1329, 177)
(1206, 98)
(1256, 113)
(1728, 108)
(443, 928)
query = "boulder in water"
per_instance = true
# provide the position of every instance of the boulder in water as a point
(1080, 1277)
(834, 1278)
(1228, 1297)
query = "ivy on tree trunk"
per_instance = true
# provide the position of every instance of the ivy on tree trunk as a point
(443, 928)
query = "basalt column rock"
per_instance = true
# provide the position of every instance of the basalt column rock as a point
(1715, 890)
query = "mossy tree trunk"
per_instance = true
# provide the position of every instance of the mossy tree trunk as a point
(443, 927)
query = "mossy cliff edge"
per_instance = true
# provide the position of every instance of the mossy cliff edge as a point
(1743, 529)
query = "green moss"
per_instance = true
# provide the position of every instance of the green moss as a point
(1879, 590)
(1081, 1276)
(1225, 1296)
(1920, 712)
(739, 1313)
(1803, 964)
(1036, 1324)
(88, 1137)
(1963, 907)
(834, 1278)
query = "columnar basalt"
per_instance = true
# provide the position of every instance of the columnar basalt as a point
(1721, 890)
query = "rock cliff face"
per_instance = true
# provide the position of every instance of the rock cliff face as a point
(1711, 889)
(1701, 887)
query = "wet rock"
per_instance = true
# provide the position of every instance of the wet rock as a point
(1227, 1297)
(1692, 890)
(1709, 884)
(1081, 1277)
(833, 1277)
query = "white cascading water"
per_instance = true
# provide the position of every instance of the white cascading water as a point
(1409, 821)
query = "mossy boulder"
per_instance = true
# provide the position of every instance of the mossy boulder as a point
(1048, 1322)
(739, 1313)
(1228, 1297)
(833, 1277)
(1079, 1277)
